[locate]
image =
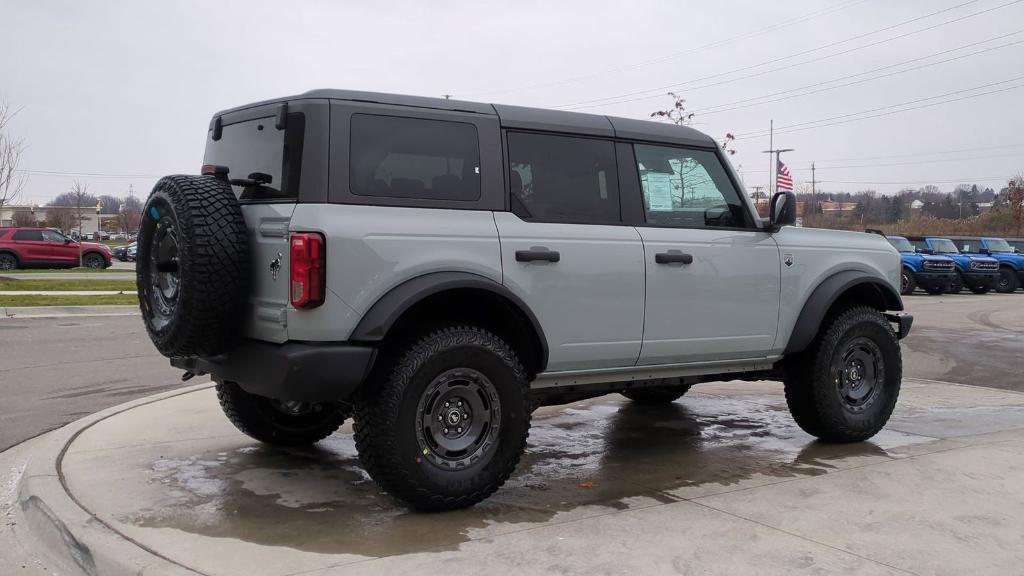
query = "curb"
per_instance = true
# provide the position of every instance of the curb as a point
(68, 311)
(65, 531)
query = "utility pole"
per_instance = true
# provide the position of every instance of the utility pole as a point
(777, 152)
(447, 96)
(814, 191)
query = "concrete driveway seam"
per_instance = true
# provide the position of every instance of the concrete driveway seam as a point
(70, 534)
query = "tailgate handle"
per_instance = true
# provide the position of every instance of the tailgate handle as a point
(537, 253)
(673, 256)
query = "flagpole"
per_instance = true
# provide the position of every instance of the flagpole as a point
(771, 165)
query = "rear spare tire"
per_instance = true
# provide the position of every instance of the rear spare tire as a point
(192, 266)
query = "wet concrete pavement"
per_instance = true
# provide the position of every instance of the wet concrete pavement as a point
(967, 338)
(719, 482)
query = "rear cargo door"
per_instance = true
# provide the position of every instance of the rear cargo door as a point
(262, 148)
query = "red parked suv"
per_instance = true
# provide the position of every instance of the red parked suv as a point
(46, 248)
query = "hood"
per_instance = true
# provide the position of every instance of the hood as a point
(982, 258)
(95, 245)
(935, 258)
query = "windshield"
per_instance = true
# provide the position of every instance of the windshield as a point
(943, 246)
(901, 244)
(998, 245)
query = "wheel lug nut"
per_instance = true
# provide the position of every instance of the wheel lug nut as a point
(464, 415)
(460, 403)
(447, 404)
(459, 428)
(445, 430)
(440, 418)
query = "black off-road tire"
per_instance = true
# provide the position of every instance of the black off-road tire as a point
(908, 283)
(280, 423)
(1008, 280)
(94, 261)
(395, 412)
(663, 393)
(8, 261)
(981, 289)
(192, 266)
(814, 380)
(935, 290)
(957, 285)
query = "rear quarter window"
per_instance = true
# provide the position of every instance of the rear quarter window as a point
(398, 157)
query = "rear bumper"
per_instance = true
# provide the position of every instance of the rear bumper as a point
(312, 372)
(934, 279)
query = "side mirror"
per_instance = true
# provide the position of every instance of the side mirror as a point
(68, 240)
(782, 209)
(984, 251)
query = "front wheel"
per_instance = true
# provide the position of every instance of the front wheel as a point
(93, 261)
(981, 289)
(845, 386)
(957, 285)
(907, 282)
(935, 290)
(445, 422)
(1008, 281)
(279, 422)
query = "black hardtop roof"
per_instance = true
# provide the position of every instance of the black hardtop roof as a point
(518, 117)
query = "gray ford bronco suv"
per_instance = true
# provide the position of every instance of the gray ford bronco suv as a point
(437, 269)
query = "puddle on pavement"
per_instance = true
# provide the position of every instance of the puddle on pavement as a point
(603, 453)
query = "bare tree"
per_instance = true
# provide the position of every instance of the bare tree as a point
(1015, 201)
(23, 219)
(130, 215)
(12, 181)
(62, 219)
(678, 115)
(80, 192)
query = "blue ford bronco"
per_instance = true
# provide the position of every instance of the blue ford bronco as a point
(979, 274)
(935, 274)
(1011, 264)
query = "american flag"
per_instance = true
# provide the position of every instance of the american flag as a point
(783, 181)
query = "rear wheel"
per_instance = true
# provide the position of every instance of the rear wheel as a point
(93, 260)
(8, 261)
(444, 424)
(668, 390)
(845, 386)
(278, 422)
(907, 282)
(1008, 280)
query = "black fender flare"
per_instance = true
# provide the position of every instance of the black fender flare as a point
(825, 295)
(374, 325)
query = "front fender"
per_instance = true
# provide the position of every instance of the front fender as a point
(808, 323)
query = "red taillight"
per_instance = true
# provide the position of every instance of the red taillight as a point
(307, 270)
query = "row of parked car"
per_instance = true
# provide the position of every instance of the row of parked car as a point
(951, 264)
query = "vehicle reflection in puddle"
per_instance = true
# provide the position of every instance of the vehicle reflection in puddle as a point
(584, 459)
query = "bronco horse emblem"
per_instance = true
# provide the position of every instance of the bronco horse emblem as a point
(275, 266)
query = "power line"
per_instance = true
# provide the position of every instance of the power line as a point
(914, 155)
(925, 181)
(650, 93)
(759, 32)
(813, 124)
(716, 109)
(885, 165)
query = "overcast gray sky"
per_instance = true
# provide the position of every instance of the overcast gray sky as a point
(127, 88)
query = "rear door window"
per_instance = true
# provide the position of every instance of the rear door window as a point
(255, 150)
(563, 178)
(28, 235)
(398, 157)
